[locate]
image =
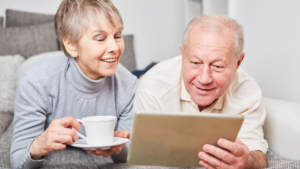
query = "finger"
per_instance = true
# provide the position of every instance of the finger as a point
(239, 142)
(64, 139)
(91, 152)
(205, 165)
(212, 161)
(219, 153)
(69, 132)
(126, 134)
(69, 121)
(104, 153)
(235, 148)
(121, 133)
(116, 149)
(56, 146)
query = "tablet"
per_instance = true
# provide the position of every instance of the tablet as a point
(175, 139)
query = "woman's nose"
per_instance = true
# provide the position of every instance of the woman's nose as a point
(112, 46)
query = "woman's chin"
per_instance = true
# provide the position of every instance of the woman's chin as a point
(108, 72)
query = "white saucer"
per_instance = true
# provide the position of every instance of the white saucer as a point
(81, 143)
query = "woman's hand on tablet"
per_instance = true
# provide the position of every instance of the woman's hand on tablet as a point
(112, 150)
(58, 134)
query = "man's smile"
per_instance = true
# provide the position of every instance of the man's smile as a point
(204, 90)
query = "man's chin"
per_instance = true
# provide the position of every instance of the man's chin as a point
(204, 102)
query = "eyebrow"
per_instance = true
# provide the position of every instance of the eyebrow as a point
(102, 31)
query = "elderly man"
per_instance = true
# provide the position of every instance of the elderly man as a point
(207, 79)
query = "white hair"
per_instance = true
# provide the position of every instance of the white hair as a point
(217, 23)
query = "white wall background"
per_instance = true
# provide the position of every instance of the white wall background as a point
(157, 25)
(40, 6)
(272, 33)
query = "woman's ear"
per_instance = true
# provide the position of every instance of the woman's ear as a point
(70, 46)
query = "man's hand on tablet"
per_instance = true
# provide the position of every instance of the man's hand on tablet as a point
(237, 156)
(115, 149)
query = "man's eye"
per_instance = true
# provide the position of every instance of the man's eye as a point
(195, 64)
(218, 67)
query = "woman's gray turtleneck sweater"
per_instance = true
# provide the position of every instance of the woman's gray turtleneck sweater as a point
(55, 88)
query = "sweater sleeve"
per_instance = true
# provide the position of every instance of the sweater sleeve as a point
(125, 116)
(29, 122)
(126, 113)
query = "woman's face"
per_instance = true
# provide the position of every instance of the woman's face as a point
(100, 49)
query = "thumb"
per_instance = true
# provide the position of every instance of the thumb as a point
(126, 134)
(239, 142)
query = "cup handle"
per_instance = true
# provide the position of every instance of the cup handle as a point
(80, 135)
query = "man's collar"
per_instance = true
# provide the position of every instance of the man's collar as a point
(184, 95)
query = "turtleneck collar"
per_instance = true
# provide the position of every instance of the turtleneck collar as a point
(80, 81)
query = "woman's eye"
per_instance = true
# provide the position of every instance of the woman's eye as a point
(118, 36)
(100, 39)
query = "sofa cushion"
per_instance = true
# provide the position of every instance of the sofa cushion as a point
(5, 144)
(128, 56)
(8, 69)
(5, 119)
(77, 158)
(28, 40)
(1, 21)
(19, 18)
(33, 59)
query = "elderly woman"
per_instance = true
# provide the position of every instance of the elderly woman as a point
(88, 81)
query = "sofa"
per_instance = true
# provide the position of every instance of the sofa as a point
(29, 37)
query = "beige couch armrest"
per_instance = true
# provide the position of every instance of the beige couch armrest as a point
(282, 127)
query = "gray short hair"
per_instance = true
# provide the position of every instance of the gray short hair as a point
(74, 16)
(217, 23)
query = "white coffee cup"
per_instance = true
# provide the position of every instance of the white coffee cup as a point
(99, 129)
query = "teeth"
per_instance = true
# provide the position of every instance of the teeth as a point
(109, 60)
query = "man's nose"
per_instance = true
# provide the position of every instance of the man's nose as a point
(112, 46)
(205, 75)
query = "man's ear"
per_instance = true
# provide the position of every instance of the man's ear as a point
(181, 49)
(240, 60)
(70, 47)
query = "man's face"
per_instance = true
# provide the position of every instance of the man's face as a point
(209, 65)
(100, 49)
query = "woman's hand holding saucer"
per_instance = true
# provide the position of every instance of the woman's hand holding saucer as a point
(58, 134)
(112, 150)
